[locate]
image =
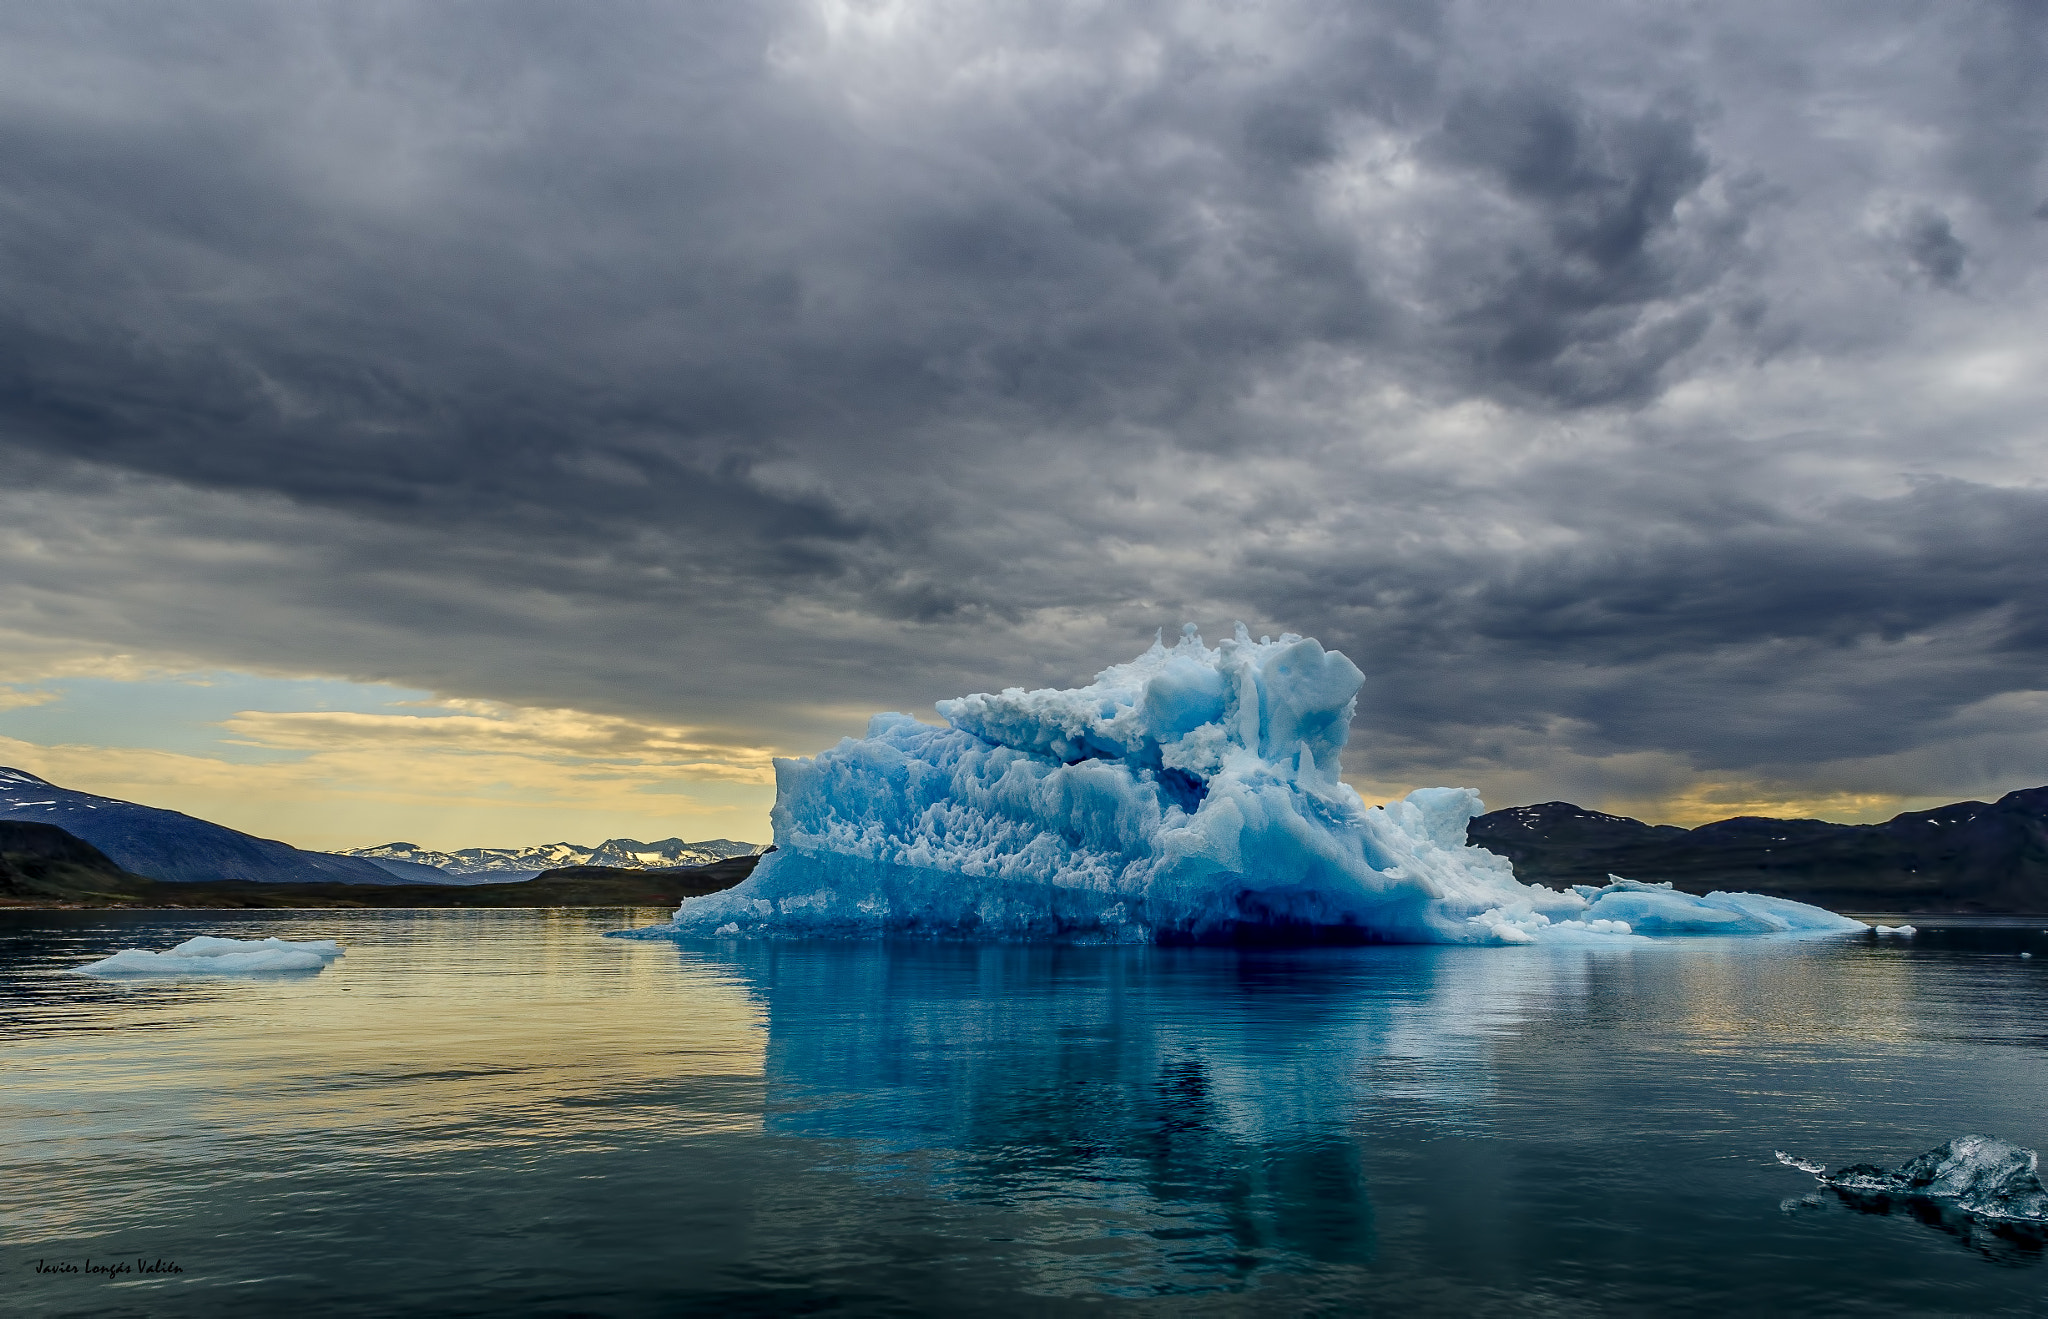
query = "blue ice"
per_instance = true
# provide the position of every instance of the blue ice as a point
(1192, 794)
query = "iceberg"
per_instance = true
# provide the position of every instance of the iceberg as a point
(1191, 795)
(207, 955)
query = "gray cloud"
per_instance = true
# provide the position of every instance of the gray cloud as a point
(1614, 382)
(1568, 311)
(1932, 244)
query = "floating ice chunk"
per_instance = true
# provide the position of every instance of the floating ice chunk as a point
(1981, 1174)
(1191, 794)
(1904, 931)
(207, 955)
(1658, 909)
(1804, 1165)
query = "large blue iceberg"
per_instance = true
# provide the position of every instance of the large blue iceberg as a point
(1190, 795)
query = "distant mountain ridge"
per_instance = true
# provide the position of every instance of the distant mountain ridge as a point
(1968, 856)
(615, 853)
(44, 866)
(172, 846)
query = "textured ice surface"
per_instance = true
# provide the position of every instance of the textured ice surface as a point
(1191, 794)
(1982, 1174)
(206, 955)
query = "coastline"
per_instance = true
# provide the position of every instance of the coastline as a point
(569, 887)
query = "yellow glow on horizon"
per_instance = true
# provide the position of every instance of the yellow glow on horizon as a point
(1704, 802)
(508, 779)
(1708, 802)
(441, 772)
(487, 728)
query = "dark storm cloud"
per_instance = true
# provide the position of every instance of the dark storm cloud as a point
(1564, 317)
(1577, 367)
(1737, 634)
(1935, 249)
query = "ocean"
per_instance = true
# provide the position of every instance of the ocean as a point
(504, 1113)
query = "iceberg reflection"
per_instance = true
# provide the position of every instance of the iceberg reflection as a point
(1212, 1109)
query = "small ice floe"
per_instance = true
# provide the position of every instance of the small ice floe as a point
(1981, 1175)
(1903, 931)
(206, 955)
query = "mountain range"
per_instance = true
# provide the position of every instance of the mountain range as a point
(169, 845)
(178, 848)
(42, 865)
(499, 864)
(1969, 856)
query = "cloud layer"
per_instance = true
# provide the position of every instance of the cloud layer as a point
(1648, 397)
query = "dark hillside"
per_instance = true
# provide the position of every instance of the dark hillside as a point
(1966, 857)
(42, 863)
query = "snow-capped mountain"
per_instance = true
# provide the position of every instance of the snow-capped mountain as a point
(171, 846)
(632, 855)
(525, 862)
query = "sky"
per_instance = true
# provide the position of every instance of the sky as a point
(495, 423)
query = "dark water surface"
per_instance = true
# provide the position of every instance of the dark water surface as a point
(502, 1113)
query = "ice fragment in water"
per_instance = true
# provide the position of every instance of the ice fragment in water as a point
(1906, 931)
(1981, 1174)
(1192, 794)
(206, 955)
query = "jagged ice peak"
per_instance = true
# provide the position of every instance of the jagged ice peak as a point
(1191, 794)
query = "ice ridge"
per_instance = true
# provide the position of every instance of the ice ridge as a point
(1192, 794)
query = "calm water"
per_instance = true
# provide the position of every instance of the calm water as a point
(502, 1113)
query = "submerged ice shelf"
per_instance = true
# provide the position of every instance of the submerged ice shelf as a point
(1191, 794)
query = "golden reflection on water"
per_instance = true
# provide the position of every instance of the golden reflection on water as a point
(535, 1032)
(1725, 997)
